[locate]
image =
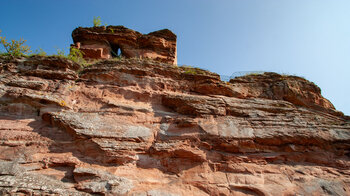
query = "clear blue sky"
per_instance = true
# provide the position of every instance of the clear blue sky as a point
(306, 38)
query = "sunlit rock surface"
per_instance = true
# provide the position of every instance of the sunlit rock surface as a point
(119, 41)
(132, 127)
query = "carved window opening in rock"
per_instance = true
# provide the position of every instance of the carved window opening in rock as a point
(116, 51)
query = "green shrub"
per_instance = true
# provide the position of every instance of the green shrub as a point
(97, 21)
(76, 55)
(15, 48)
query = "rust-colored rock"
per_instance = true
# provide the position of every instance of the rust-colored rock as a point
(294, 89)
(137, 127)
(114, 41)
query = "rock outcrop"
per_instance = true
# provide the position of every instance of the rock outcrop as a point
(138, 127)
(114, 41)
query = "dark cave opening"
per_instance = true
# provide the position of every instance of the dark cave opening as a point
(116, 51)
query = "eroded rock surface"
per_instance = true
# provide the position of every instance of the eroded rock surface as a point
(114, 41)
(134, 127)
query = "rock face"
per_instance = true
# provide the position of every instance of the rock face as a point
(137, 127)
(114, 41)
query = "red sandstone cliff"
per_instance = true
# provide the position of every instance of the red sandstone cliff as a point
(114, 41)
(133, 127)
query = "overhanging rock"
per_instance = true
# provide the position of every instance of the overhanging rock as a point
(119, 41)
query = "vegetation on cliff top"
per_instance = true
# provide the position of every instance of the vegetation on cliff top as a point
(15, 48)
(18, 48)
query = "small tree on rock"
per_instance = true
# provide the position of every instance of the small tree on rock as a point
(15, 48)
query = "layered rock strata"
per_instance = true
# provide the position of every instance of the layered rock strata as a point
(118, 41)
(134, 127)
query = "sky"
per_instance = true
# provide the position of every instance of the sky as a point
(308, 38)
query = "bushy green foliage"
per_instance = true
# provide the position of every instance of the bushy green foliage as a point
(18, 48)
(76, 55)
(97, 21)
(15, 48)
